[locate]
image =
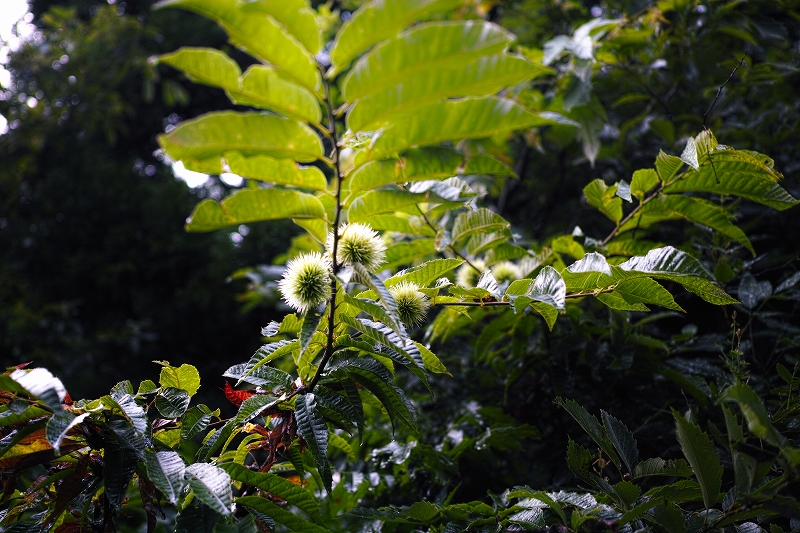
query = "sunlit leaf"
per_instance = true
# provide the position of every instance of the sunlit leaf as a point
(166, 470)
(280, 171)
(312, 427)
(211, 485)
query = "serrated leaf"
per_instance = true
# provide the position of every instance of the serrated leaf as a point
(579, 460)
(166, 470)
(375, 20)
(701, 455)
(172, 402)
(549, 288)
(59, 424)
(467, 118)
(195, 420)
(207, 138)
(263, 376)
(643, 181)
(426, 273)
(254, 205)
(591, 426)
(481, 220)
(603, 197)
(258, 34)
(184, 377)
(311, 321)
(342, 405)
(211, 485)
(623, 440)
(755, 413)
(659, 467)
(280, 515)
(484, 76)
(277, 486)
(668, 261)
(374, 377)
(667, 166)
(644, 291)
(312, 427)
(697, 210)
(378, 312)
(429, 359)
(272, 170)
(425, 46)
(196, 518)
(119, 465)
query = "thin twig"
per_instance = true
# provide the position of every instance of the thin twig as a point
(719, 91)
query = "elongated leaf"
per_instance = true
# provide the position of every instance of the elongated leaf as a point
(384, 201)
(258, 34)
(166, 470)
(196, 518)
(172, 402)
(211, 485)
(689, 155)
(250, 409)
(450, 45)
(311, 321)
(468, 118)
(484, 76)
(377, 332)
(667, 261)
(591, 426)
(701, 455)
(39, 382)
(207, 138)
(374, 377)
(417, 164)
(660, 467)
(642, 291)
(740, 173)
(481, 220)
(341, 405)
(297, 16)
(623, 440)
(378, 312)
(430, 361)
(755, 413)
(426, 273)
(264, 376)
(254, 205)
(194, 421)
(667, 166)
(312, 427)
(403, 253)
(276, 486)
(604, 198)
(271, 351)
(263, 87)
(280, 515)
(119, 465)
(672, 206)
(376, 20)
(208, 66)
(549, 288)
(272, 170)
(59, 424)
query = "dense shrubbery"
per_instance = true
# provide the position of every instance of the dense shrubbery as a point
(396, 166)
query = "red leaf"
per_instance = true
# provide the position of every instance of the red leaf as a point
(236, 397)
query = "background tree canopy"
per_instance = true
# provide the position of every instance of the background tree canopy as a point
(97, 273)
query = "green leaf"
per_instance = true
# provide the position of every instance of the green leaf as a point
(701, 455)
(467, 118)
(280, 515)
(280, 171)
(254, 205)
(378, 312)
(312, 427)
(39, 382)
(263, 376)
(185, 377)
(429, 359)
(208, 66)
(196, 518)
(643, 181)
(755, 413)
(639, 291)
(263, 87)
(376, 20)
(311, 321)
(342, 445)
(297, 16)
(659, 467)
(604, 198)
(426, 273)
(59, 424)
(166, 470)
(211, 485)
(672, 206)
(119, 465)
(377, 332)
(208, 138)
(484, 76)
(623, 440)
(667, 166)
(276, 486)
(424, 47)
(669, 516)
(383, 201)
(194, 421)
(417, 164)
(376, 285)
(579, 460)
(403, 253)
(591, 426)
(481, 220)
(258, 34)
(172, 402)
(374, 377)
(341, 405)
(744, 174)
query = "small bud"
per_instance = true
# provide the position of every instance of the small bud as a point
(506, 271)
(468, 277)
(306, 283)
(358, 243)
(412, 305)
